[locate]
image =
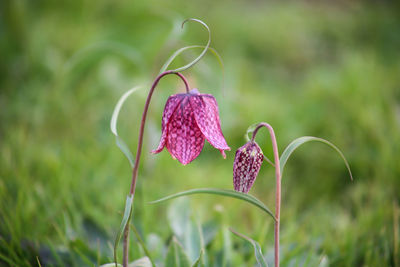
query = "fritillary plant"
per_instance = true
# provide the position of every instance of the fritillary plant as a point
(190, 118)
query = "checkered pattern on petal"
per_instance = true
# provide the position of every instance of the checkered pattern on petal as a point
(185, 140)
(206, 113)
(248, 160)
(170, 107)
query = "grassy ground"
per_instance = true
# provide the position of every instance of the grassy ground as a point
(308, 68)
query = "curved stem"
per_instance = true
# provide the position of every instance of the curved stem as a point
(139, 152)
(141, 131)
(278, 184)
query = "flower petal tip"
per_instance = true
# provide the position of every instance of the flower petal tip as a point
(184, 162)
(223, 153)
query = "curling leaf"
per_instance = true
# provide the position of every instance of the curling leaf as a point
(181, 50)
(304, 139)
(222, 192)
(201, 54)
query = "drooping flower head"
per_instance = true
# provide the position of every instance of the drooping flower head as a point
(188, 120)
(246, 166)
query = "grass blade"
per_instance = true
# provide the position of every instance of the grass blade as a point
(221, 192)
(38, 261)
(304, 139)
(257, 249)
(7, 260)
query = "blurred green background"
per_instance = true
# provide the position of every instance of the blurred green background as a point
(323, 68)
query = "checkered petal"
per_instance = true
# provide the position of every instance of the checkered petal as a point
(248, 160)
(206, 113)
(185, 140)
(170, 107)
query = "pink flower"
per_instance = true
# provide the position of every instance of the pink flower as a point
(246, 166)
(188, 120)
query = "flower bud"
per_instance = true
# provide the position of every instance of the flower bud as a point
(246, 166)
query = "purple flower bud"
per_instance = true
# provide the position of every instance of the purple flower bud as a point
(246, 166)
(188, 120)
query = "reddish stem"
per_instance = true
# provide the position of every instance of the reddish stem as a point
(146, 107)
(278, 184)
(139, 152)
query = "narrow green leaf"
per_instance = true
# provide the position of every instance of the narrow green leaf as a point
(125, 221)
(222, 192)
(184, 227)
(113, 125)
(55, 253)
(198, 263)
(181, 50)
(227, 248)
(7, 260)
(192, 241)
(176, 256)
(38, 261)
(324, 261)
(178, 214)
(10, 249)
(83, 253)
(203, 52)
(179, 218)
(125, 149)
(304, 139)
(257, 249)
